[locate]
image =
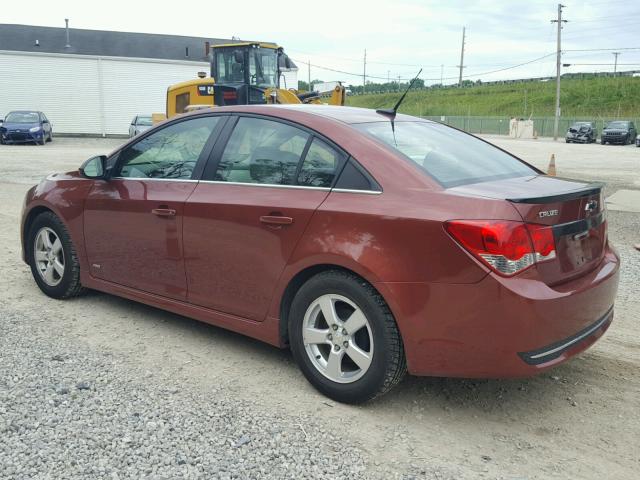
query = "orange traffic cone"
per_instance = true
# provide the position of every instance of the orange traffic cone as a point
(552, 166)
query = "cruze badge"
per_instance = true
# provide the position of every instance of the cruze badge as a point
(548, 213)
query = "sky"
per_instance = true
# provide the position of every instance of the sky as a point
(400, 37)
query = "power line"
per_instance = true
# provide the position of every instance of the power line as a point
(608, 64)
(471, 75)
(600, 49)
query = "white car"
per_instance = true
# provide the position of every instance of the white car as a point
(139, 124)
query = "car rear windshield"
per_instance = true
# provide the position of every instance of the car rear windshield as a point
(22, 117)
(144, 121)
(449, 156)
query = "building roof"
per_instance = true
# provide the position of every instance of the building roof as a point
(31, 38)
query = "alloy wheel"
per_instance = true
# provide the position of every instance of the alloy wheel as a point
(49, 256)
(337, 338)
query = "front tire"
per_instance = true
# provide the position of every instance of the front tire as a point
(52, 257)
(344, 338)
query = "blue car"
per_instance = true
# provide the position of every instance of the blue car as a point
(25, 126)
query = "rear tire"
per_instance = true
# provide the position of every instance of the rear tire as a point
(52, 257)
(354, 352)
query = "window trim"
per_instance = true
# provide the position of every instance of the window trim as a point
(200, 163)
(211, 167)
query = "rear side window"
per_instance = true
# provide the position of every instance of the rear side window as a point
(354, 177)
(320, 165)
(262, 151)
(449, 156)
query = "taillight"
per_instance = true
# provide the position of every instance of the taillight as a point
(507, 247)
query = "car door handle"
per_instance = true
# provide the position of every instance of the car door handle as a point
(276, 220)
(164, 212)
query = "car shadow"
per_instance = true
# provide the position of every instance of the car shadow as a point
(560, 387)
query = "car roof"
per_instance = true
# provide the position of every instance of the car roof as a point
(24, 111)
(349, 115)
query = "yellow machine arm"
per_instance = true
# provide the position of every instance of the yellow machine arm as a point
(279, 95)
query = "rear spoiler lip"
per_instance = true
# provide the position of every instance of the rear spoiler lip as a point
(590, 189)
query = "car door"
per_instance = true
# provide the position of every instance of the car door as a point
(133, 221)
(243, 221)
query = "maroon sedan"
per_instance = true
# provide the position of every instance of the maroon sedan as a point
(368, 246)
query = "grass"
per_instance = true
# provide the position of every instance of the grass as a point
(598, 97)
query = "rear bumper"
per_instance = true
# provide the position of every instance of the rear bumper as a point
(502, 327)
(557, 349)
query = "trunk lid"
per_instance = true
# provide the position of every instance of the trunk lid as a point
(575, 209)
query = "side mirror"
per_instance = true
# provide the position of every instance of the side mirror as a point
(45, 121)
(94, 167)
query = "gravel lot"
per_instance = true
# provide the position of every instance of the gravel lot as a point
(101, 387)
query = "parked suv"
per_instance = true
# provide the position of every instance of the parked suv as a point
(619, 131)
(581, 132)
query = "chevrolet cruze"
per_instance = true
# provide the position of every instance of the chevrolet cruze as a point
(368, 243)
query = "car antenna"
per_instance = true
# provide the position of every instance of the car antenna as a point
(391, 112)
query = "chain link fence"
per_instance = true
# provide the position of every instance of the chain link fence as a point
(500, 125)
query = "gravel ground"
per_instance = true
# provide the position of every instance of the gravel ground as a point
(101, 387)
(71, 412)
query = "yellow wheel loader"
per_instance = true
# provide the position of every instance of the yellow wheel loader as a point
(245, 73)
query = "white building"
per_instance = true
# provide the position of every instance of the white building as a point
(97, 81)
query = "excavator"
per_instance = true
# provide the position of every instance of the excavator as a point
(243, 73)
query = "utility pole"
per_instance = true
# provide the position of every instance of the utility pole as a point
(309, 70)
(556, 121)
(615, 65)
(441, 73)
(364, 73)
(464, 29)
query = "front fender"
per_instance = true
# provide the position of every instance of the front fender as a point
(64, 195)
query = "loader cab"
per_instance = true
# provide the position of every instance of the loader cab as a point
(243, 71)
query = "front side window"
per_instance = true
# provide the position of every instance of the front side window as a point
(170, 153)
(449, 156)
(262, 151)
